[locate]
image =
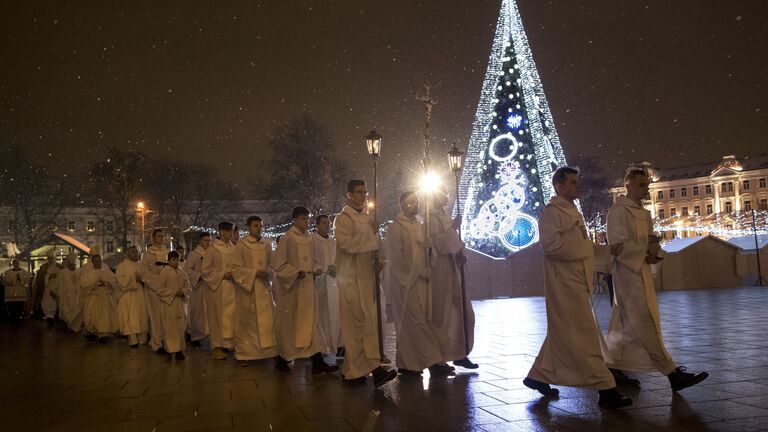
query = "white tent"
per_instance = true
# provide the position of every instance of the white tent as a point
(746, 260)
(699, 262)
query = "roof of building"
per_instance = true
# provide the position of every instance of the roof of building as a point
(747, 242)
(747, 163)
(680, 243)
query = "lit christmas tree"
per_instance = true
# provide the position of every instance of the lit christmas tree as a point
(513, 149)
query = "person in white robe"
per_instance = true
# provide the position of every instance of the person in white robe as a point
(40, 290)
(255, 337)
(17, 289)
(327, 288)
(572, 353)
(48, 304)
(197, 325)
(634, 334)
(357, 241)
(98, 288)
(132, 315)
(297, 324)
(418, 347)
(66, 289)
(219, 262)
(450, 307)
(173, 291)
(153, 260)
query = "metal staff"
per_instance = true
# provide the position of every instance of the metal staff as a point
(455, 158)
(373, 141)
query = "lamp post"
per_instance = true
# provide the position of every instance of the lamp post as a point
(140, 209)
(455, 161)
(373, 143)
(760, 281)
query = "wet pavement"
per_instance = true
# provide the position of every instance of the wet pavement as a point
(51, 380)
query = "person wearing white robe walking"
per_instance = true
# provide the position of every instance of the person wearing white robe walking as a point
(173, 291)
(153, 261)
(98, 287)
(132, 315)
(634, 337)
(219, 262)
(572, 352)
(327, 288)
(197, 325)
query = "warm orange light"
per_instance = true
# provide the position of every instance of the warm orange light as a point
(140, 205)
(371, 204)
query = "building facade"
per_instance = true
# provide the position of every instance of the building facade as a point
(729, 186)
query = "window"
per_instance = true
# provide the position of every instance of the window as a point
(695, 191)
(671, 193)
(709, 209)
(685, 211)
(726, 187)
(660, 195)
(763, 203)
(697, 210)
(110, 225)
(728, 207)
(745, 185)
(672, 212)
(761, 183)
(747, 205)
(90, 226)
(708, 189)
(110, 247)
(71, 225)
(661, 214)
(684, 192)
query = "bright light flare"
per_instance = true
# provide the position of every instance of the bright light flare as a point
(430, 182)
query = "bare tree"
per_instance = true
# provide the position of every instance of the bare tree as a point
(595, 198)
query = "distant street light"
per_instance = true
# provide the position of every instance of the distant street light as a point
(141, 208)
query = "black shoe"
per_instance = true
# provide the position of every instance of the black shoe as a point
(281, 364)
(612, 399)
(466, 363)
(90, 337)
(103, 340)
(680, 379)
(196, 344)
(408, 372)
(355, 381)
(437, 371)
(161, 351)
(179, 355)
(134, 346)
(50, 322)
(226, 350)
(340, 352)
(621, 378)
(320, 366)
(540, 387)
(382, 376)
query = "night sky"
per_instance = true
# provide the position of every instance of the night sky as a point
(674, 83)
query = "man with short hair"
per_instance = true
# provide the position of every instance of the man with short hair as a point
(327, 289)
(132, 316)
(634, 333)
(153, 260)
(219, 262)
(357, 240)
(16, 281)
(97, 288)
(193, 266)
(255, 337)
(417, 343)
(299, 334)
(173, 291)
(572, 353)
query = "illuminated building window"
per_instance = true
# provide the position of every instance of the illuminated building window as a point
(672, 212)
(747, 205)
(745, 185)
(761, 183)
(671, 193)
(684, 192)
(90, 226)
(764, 204)
(708, 189)
(726, 187)
(661, 213)
(709, 209)
(696, 210)
(71, 225)
(728, 207)
(695, 191)
(685, 211)
(660, 195)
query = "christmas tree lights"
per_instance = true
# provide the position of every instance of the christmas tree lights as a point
(513, 149)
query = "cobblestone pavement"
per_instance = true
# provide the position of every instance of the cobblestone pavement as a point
(51, 380)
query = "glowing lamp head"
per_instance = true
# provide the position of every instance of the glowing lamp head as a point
(371, 205)
(373, 141)
(140, 205)
(455, 158)
(429, 183)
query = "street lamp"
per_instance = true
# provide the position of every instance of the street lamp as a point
(143, 210)
(455, 161)
(373, 143)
